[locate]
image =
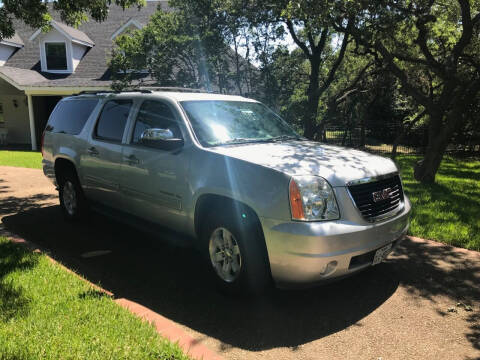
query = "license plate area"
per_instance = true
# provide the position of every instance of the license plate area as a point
(381, 254)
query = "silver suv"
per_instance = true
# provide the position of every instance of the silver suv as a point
(260, 201)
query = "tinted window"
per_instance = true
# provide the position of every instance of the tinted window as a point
(112, 121)
(154, 114)
(56, 56)
(70, 116)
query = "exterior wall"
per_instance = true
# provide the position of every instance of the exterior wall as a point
(77, 53)
(16, 119)
(5, 52)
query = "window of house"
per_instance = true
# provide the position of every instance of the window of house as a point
(112, 120)
(154, 114)
(2, 119)
(56, 56)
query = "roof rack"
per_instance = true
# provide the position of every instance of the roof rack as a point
(95, 92)
(173, 89)
(144, 90)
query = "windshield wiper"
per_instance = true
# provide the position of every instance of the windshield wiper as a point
(286, 137)
(238, 141)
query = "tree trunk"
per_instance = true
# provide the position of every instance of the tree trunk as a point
(439, 136)
(313, 98)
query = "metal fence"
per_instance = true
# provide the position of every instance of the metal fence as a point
(382, 141)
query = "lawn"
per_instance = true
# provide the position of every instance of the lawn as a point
(49, 313)
(449, 210)
(28, 159)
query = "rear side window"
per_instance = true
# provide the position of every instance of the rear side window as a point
(70, 116)
(112, 120)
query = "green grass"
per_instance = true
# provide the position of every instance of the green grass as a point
(27, 159)
(449, 210)
(48, 313)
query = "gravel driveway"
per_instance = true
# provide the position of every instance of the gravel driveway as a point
(414, 306)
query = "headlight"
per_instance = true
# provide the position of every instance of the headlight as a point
(312, 199)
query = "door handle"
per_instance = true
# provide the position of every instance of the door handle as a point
(92, 151)
(132, 159)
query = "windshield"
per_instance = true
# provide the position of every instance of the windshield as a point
(217, 122)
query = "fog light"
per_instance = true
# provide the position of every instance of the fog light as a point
(330, 268)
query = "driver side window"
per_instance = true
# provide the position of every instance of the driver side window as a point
(154, 115)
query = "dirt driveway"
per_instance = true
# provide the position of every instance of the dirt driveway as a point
(397, 310)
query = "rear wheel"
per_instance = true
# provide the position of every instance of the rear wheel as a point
(236, 252)
(72, 199)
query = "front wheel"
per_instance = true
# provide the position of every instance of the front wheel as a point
(237, 253)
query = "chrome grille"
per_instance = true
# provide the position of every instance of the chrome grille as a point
(379, 198)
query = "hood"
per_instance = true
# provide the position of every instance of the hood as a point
(338, 165)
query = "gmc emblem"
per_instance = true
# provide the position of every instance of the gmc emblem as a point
(381, 195)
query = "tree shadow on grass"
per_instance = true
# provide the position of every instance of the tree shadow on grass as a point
(13, 302)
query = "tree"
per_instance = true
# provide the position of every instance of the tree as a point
(432, 48)
(176, 49)
(73, 12)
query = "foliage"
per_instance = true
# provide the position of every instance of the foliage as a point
(73, 12)
(27, 159)
(432, 48)
(448, 210)
(49, 313)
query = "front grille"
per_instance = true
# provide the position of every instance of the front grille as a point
(388, 198)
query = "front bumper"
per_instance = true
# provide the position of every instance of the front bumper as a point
(299, 252)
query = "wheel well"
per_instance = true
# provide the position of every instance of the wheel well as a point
(208, 202)
(62, 166)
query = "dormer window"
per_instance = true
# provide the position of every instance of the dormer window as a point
(62, 48)
(56, 55)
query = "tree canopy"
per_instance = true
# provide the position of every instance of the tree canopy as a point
(36, 13)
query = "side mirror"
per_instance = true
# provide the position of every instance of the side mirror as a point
(160, 139)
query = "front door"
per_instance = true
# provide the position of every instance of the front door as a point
(154, 180)
(102, 159)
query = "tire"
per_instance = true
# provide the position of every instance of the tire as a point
(239, 241)
(72, 200)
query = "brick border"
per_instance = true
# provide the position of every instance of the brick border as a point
(164, 326)
(439, 244)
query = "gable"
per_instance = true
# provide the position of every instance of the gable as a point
(93, 64)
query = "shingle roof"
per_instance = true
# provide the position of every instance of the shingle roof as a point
(15, 39)
(21, 77)
(75, 34)
(93, 66)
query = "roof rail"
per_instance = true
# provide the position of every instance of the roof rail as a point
(95, 92)
(173, 89)
(143, 89)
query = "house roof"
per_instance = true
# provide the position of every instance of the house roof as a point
(71, 33)
(20, 77)
(15, 40)
(93, 67)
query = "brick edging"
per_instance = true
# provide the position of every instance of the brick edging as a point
(438, 244)
(164, 326)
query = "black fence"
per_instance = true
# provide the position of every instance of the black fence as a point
(383, 141)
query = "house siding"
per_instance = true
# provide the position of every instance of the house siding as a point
(5, 52)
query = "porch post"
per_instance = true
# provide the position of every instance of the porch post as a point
(33, 136)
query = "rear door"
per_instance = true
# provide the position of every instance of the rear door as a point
(153, 180)
(101, 161)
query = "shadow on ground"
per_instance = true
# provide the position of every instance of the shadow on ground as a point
(174, 282)
(13, 303)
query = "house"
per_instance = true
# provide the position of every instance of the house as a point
(38, 68)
